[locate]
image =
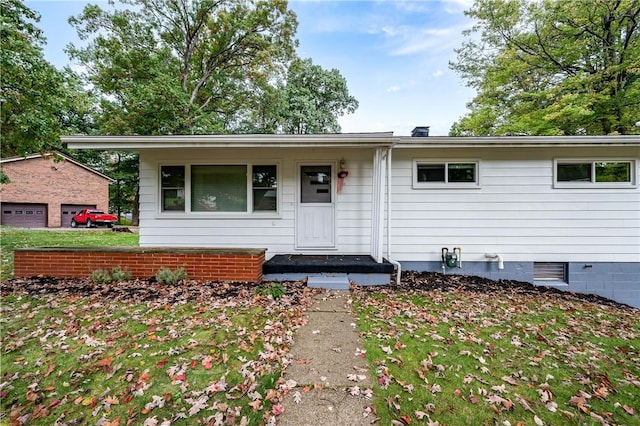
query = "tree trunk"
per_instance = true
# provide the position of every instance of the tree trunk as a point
(135, 210)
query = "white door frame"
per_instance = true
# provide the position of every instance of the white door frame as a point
(321, 215)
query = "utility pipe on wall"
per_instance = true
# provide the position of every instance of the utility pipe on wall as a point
(497, 257)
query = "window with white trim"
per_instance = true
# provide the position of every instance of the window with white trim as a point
(594, 173)
(172, 195)
(219, 188)
(445, 174)
(265, 188)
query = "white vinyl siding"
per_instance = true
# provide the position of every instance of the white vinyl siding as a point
(258, 229)
(516, 213)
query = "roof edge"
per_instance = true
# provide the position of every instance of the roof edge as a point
(515, 141)
(343, 140)
(239, 141)
(51, 153)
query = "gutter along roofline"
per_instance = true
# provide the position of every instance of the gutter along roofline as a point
(516, 141)
(341, 140)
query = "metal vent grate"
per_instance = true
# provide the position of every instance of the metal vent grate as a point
(550, 271)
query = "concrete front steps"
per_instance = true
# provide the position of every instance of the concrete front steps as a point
(333, 272)
(329, 281)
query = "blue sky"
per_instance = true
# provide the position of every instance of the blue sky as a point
(394, 55)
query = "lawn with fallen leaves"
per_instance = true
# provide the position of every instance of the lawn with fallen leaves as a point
(144, 353)
(468, 351)
(446, 350)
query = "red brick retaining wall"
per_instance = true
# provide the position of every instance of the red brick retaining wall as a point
(200, 263)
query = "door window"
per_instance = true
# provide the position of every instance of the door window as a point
(315, 184)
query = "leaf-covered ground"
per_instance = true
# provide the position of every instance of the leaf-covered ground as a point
(144, 353)
(446, 350)
(453, 350)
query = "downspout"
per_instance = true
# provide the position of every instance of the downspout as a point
(377, 212)
(393, 262)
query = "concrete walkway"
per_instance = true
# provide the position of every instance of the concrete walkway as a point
(327, 364)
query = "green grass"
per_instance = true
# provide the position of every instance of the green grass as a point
(469, 358)
(87, 359)
(11, 239)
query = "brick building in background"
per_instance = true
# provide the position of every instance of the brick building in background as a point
(47, 190)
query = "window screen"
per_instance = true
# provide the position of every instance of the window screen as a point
(461, 172)
(265, 188)
(172, 188)
(613, 172)
(574, 172)
(431, 172)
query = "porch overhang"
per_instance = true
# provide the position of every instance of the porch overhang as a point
(136, 143)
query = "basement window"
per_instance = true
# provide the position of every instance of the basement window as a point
(550, 272)
(445, 174)
(594, 173)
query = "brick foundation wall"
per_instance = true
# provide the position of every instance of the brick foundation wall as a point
(201, 264)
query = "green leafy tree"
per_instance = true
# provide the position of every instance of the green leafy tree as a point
(122, 167)
(314, 98)
(309, 100)
(182, 67)
(38, 102)
(178, 67)
(551, 67)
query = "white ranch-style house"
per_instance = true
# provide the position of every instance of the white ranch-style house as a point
(557, 211)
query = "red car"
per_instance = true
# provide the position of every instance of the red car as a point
(92, 217)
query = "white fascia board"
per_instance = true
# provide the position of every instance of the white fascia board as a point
(345, 140)
(516, 141)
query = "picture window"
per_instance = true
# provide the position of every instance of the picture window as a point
(219, 188)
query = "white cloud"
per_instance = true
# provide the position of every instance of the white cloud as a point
(456, 6)
(393, 89)
(437, 73)
(412, 40)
